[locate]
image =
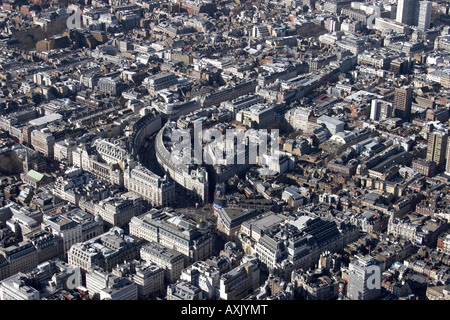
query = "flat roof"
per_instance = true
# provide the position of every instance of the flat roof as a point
(300, 222)
(268, 221)
(45, 119)
(34, 175)
(330, 120)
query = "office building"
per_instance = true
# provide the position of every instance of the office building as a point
(118, 211)
(385, 24)
(260, 32)
(403, 103)
(20, 257)
(229, 220)
(183, 290)
(336, 6)
(203, 276)
(316, 285)
(148, 277)
(242, 102)
(259, 116)
(48, 246)
(364, 278)
(170, 260)
(119, 289)
(406, 11)
(15, 288)
(105, 285)
(160, 191)
(255, 228)
(43, 141)
(230, 93)
(333, 125)
(422, 229)
(73, 226)
(298, 242)
(447, 166)
(380, 110)
(241, 281)
(110, 86)
(66, 228)
(159, 81)
(96, 280)
(426, 168)
(110, 152)
(175, 232)
(105, 251)
(424, 20)
(298, 118)
(442, 42)
(437, 148)
(62, 151)
(38, 246)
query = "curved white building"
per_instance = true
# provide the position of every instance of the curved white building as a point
(193, 179)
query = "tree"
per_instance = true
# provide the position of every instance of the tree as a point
(10, 164)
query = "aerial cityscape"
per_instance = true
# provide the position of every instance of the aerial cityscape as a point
(248, 150)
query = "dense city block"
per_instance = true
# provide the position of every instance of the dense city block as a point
(224, 150)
